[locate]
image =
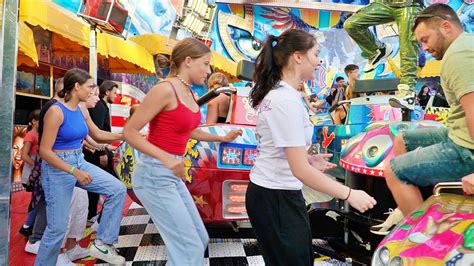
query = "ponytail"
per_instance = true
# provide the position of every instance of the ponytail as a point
(34, 115)
(273, 58)
(267, 72)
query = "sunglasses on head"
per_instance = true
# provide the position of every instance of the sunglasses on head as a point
(428, 15)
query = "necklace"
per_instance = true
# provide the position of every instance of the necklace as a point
(184, 82)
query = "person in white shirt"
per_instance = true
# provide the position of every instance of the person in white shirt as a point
(274, 201)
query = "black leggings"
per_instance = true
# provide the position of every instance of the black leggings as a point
(281, 223)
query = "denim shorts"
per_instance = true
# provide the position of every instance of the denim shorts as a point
(431, 157)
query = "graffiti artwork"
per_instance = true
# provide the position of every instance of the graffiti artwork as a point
(441, 232)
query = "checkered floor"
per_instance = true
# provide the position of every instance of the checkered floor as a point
(141, 244)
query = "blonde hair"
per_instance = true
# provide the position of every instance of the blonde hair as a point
(217, 80)
(188, 47)
(161, 61)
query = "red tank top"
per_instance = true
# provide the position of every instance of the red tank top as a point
(170, 130)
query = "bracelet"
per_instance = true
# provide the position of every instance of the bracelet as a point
(349, 194)
(71, 172)
(102, 147)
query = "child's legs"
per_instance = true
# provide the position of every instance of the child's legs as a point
(78, 214)
(115, 192)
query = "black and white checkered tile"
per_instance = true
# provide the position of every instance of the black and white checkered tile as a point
(141, 244)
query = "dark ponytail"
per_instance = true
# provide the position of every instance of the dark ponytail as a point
(267, 73)
(274, 57)
(70, 79)
(32, 116)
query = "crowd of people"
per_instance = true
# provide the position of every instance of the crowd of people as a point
(67, 151)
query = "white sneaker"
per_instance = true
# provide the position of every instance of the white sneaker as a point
(77, 253)
(382, 53)
(106, 253)
(403, 99)
(395, 216)
(63, 260)
(32, 247)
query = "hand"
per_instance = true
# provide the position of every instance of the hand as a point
(468, 184)
(361, 200)
(233, 134)
(175, 165)
(110, 148)
(103, 159)
(83, 177)
(320, 161)
(91, 149)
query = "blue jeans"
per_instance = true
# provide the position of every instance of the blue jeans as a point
(172, 210)
(431, 157)
(58, 187)
(30, 219)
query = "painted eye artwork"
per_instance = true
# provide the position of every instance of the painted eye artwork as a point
(235, 33)
(245, 43)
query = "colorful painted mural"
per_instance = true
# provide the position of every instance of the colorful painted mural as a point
(143, 82)
(440, 232)
(149, 16)
(239, 30)
(19, 132)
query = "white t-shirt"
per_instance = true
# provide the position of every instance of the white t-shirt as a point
(282, 122)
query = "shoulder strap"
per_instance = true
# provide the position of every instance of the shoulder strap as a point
(172, 86)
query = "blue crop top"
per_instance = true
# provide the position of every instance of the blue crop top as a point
(72, 131)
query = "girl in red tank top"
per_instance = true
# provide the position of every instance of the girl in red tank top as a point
(174, 116)
(170, 130)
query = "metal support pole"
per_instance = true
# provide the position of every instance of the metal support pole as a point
(8, 57)
(93, 53)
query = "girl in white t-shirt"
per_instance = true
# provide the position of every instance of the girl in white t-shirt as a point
(274, 201)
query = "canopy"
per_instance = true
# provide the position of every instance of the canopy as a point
(159, 44)
(155, 43)
(124, 56)
(431, 69)
(26, 46)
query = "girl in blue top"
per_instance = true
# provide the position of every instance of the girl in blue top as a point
(63, 167)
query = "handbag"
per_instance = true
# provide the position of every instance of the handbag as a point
(34, 175)
(36, 186)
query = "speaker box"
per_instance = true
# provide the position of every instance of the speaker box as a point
(100, 8)
(245, 70)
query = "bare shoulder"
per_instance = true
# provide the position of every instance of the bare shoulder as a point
(222, 98)
(162, 89)
(85, 111)
(54, 115)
